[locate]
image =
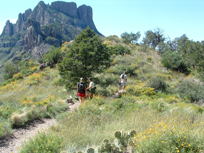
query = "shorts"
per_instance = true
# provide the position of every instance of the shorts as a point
(92, 90)
(81, 94)
(123, 84)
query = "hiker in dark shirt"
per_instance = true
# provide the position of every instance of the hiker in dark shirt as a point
(81, 90)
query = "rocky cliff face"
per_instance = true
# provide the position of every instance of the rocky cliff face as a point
(65, 7)
(8, 29)
(85, 14)
(44, 26)
(33, 36)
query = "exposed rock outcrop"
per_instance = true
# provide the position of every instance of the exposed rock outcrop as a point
(69, 8)
(8, 29)
(33, 36)
(21, 22)
(85, 14)
(39, 51)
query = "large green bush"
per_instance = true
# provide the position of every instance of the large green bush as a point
(174, 61)
(44, 143)
(119, 49)
(191, 90)
(54, 55)
(158, 84)
(120, 69)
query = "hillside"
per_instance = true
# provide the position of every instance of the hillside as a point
(158, 104)
(46, 25)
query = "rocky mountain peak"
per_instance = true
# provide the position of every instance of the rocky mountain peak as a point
(85, 14)
(41, 4)
(8, 29)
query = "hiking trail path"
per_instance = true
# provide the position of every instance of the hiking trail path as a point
(23, 135)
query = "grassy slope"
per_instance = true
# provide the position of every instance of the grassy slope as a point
(101, 117)
(33, 97)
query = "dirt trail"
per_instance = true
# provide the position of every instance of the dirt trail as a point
(23, 135)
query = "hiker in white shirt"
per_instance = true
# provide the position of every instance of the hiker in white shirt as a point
(91, 88)
(123, 80)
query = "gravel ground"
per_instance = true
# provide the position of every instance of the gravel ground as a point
(23, 135)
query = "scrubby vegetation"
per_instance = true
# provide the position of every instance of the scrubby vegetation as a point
(161, 110)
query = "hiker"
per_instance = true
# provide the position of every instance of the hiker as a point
(123, 80)
(81, 90)
(91, 88)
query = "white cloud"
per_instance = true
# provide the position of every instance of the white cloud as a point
(13, 20)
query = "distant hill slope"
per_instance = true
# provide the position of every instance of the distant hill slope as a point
(36, 30)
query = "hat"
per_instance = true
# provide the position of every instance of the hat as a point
(81, 79)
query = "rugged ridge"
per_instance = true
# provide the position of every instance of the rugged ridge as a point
(44, 26)
(40, 14)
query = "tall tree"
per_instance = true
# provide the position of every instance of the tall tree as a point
(153, 38)
(130, 38)
(86, 55)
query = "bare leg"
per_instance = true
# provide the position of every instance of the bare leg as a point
(82, 100)
(89, 95)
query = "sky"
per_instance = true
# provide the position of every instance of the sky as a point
(114, 17)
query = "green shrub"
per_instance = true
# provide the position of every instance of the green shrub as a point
(54, 55)
(106, 80)
(168, 138)
(174, 61)
(52, 41)
(44, 143)
(113, 38)
(119, 49)
(98, 100)
(123, 102)
(120, 69)
(191, 91)
(158, 84)
(2, 131)
(26, 72)
(5, 129)
(103, 92)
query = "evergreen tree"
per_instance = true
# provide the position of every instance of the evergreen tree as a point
(130, 38)
(153, 38)
(86, 55)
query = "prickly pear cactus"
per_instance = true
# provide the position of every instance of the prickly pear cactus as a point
(90, 150)
(120, 144)
(133, 133)
(118, 134)
(124, 138)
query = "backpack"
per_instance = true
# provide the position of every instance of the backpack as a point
(81, 88)
(123, 76)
